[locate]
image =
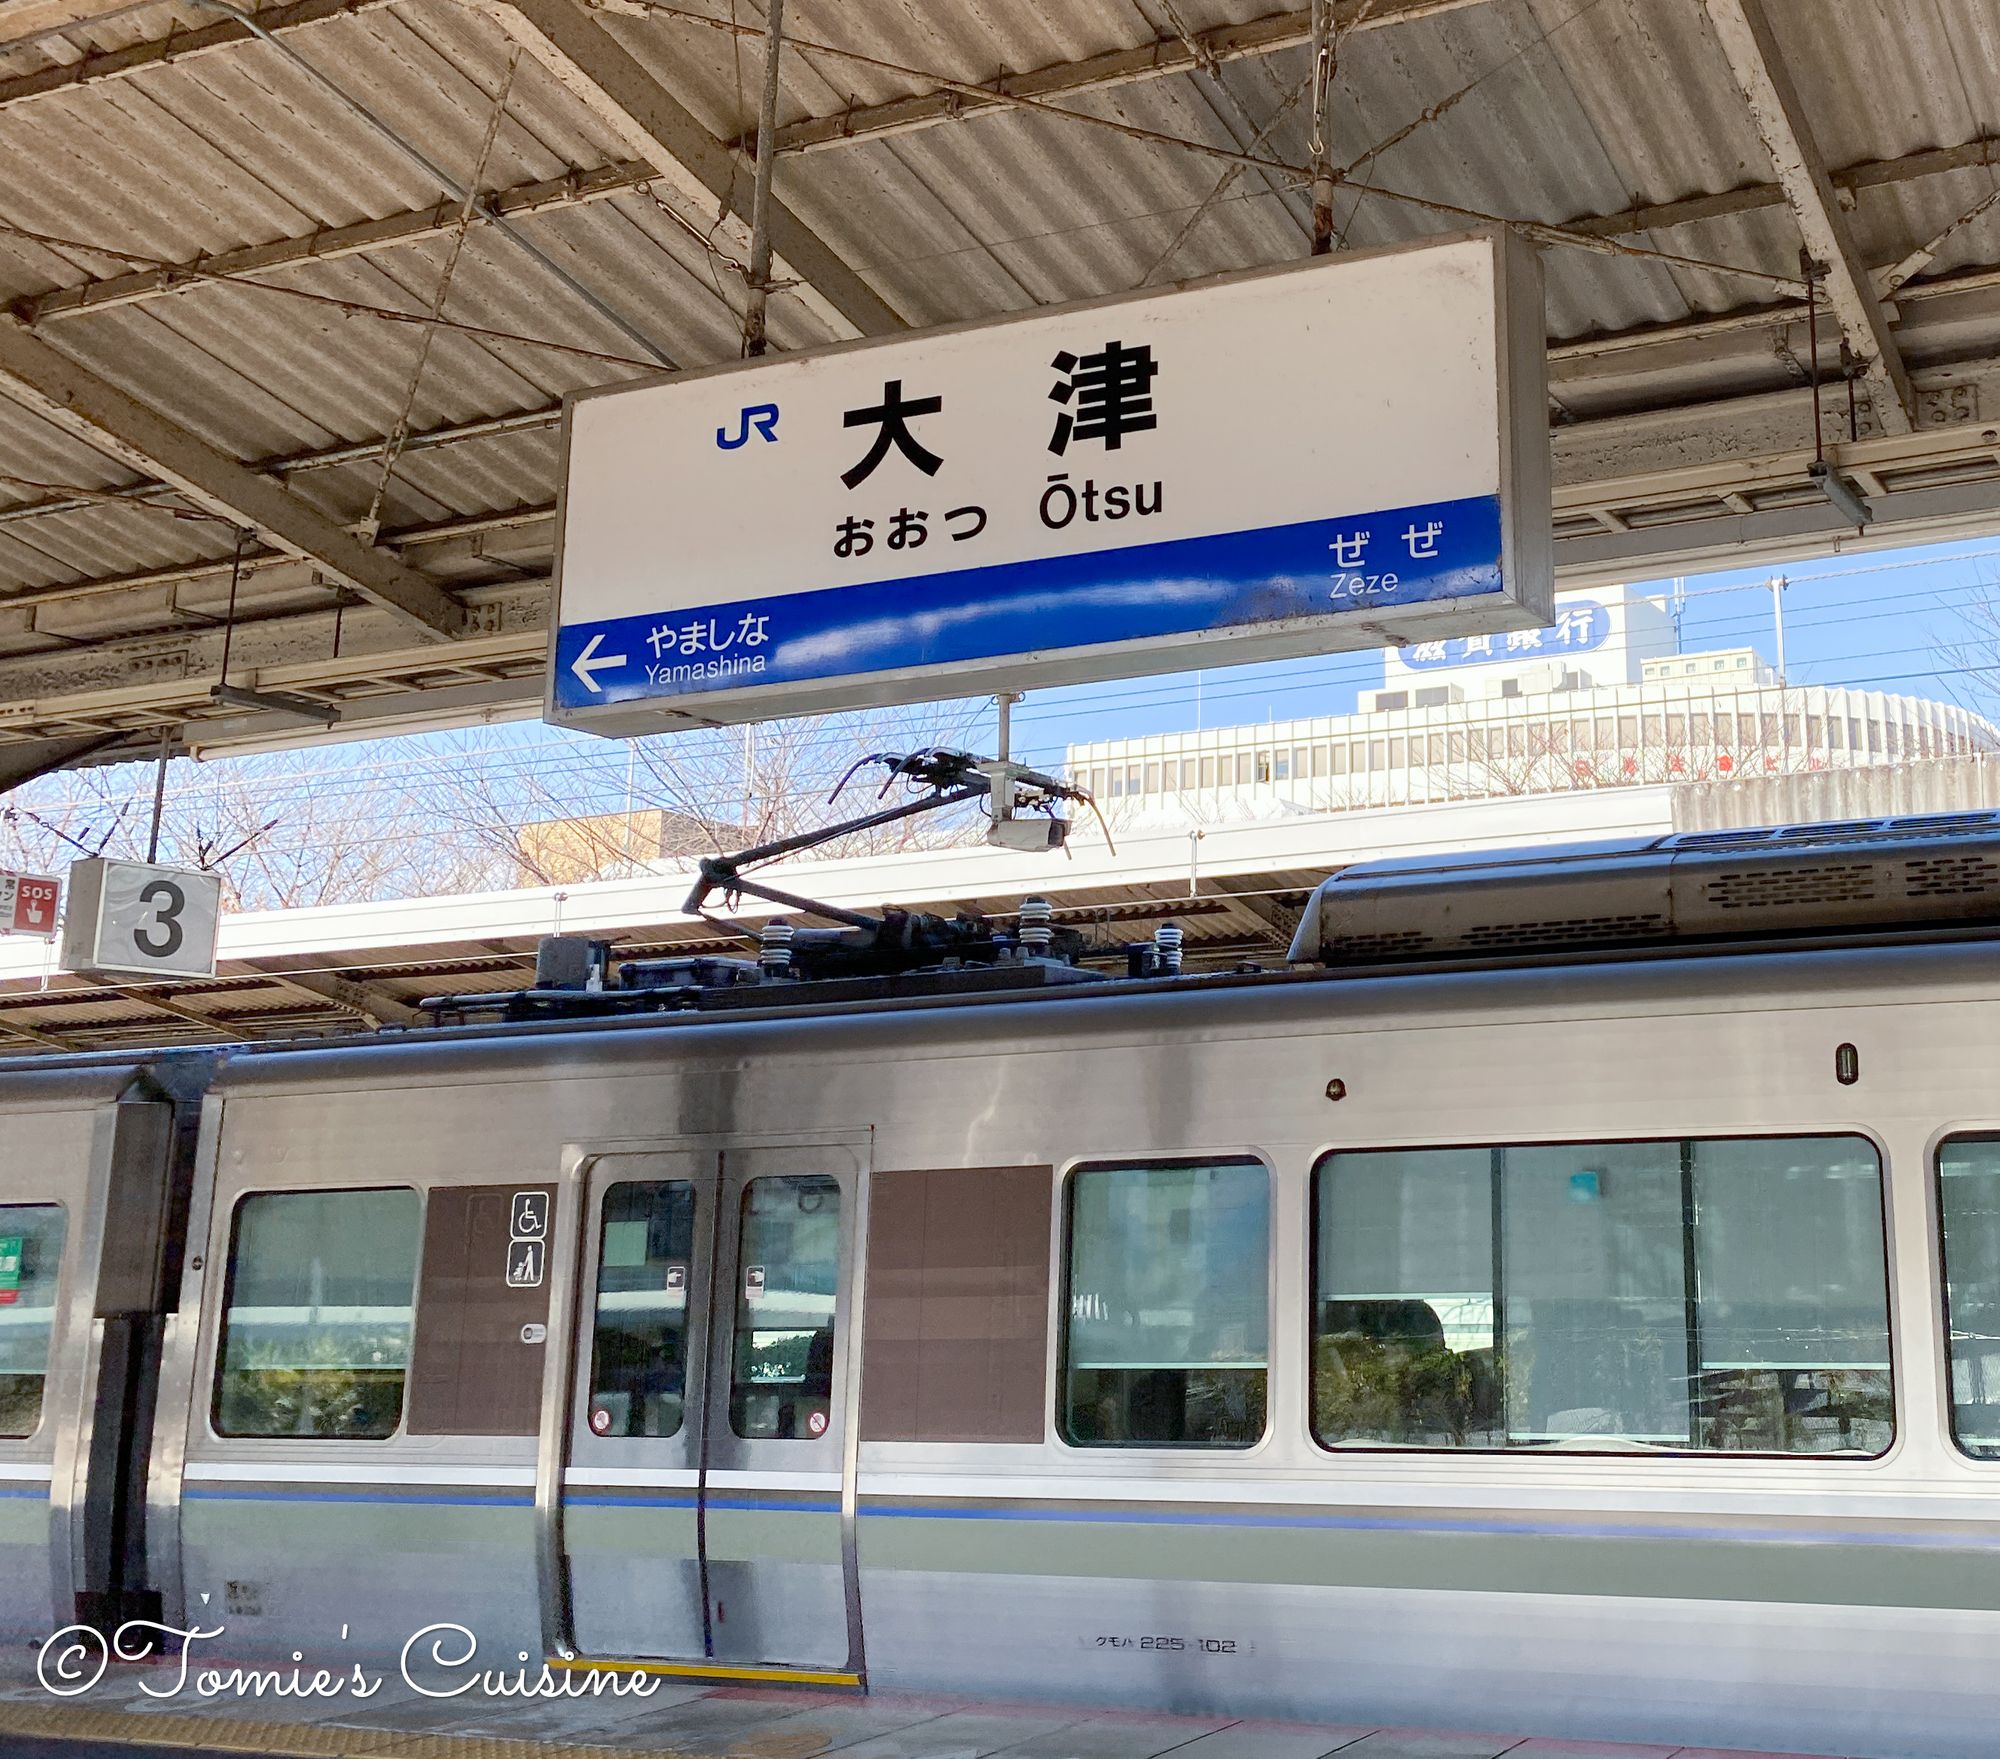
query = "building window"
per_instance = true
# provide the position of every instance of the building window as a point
(1628, 732)
(1340, 759)
(1436, 748)
(1208, 772)
(1517, 740)
(1385, 700)
(1458, 748)
(1281, 766)
(31, 1248)
(1815, 732)
(1836, 733)
(1894, 736)
(316, 1317)
(1398, 753)
(1437, 696)
(1152, 778)
(1746, 733)
(1720, 1295)
(1607, 733)
(639, 1334)
(1299, 761)
(1167, 1305)
(1701, 729)
(1117, 784)
(1319, 760)
(788, 1270)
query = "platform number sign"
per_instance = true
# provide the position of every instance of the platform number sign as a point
(133, 917)
(11, 1249)
(527, 1247)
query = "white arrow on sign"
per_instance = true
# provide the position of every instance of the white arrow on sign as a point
(588, 664)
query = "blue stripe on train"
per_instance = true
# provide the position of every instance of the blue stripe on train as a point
(1226, 1518)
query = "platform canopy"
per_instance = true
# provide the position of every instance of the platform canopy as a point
(294, 296)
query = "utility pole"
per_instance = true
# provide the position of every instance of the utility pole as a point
(756, 311)
(1322, 165)
(1778, 584)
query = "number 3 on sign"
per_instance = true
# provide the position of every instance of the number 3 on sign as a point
(162, 937)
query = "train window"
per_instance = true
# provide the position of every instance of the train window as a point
(1166, 1313)
(316, 1316)
(1713, 1295)
(787, 1271)
(639, 1340)
(31, 1244)
(1969, 1211)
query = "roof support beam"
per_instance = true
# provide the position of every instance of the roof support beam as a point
(91, 409)
(699, 169)
(606, 181)
(35, 1035)
(329, 243)
(17, 26)
(370, 1001)
(160, 999)
(1752, 49)
(1096, 73)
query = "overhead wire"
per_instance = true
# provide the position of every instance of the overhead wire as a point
(1542, 231)
(392, 447)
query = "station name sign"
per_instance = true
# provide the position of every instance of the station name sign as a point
(1346, 452)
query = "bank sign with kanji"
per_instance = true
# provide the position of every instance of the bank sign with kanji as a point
(1347, 452)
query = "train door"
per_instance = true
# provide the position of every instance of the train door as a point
(697, 1490)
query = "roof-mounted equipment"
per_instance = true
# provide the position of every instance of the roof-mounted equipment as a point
(1690, 891)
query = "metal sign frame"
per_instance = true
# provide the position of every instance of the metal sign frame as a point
(1525, 599)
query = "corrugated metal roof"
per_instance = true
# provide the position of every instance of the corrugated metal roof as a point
(1546, 110)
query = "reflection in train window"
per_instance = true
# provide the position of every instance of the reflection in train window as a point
(316, 1318)
(1722, 1295)
(787, 1268)
(638, 1354)
(31, 1243)
(1165, 1340)
(1969, 1209)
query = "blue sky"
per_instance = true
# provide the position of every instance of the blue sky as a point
(1883, 620)
(1886, 620)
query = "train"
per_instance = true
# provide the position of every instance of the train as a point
(1563, 1297)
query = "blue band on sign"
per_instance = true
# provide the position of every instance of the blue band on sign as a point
(1365, 563)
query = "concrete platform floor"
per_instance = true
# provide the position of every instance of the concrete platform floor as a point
(694, 1720)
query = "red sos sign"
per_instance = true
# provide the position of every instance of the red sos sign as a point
(35, 900)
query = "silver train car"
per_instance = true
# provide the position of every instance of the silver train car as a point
(1566, 1300)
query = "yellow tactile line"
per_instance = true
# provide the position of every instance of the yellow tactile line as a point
(230, 1734)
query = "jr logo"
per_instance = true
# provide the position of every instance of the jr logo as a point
(761, 416)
